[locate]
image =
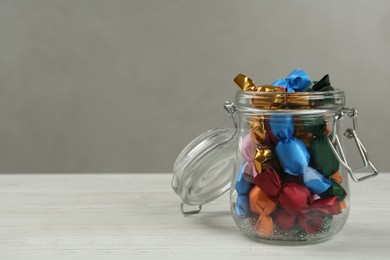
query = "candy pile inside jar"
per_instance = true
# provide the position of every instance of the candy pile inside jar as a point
(289, 182)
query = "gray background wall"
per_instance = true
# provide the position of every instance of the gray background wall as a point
(122, 86)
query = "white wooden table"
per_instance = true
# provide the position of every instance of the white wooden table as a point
(133, 216)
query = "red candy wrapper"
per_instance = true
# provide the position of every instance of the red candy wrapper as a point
(269, 181)
(294, 198)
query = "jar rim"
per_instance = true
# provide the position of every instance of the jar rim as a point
(281, 102)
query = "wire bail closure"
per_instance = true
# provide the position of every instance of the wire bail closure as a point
(350, 133)
(230, 108)
(190, 212)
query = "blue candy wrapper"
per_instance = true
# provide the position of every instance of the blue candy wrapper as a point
(243, 187)
(315, 181)
(282, 126)
(293, 155)
(296, 81)
(242, 208)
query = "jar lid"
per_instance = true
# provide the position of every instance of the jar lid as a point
(204, 168)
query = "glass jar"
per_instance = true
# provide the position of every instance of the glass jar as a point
(283, 163)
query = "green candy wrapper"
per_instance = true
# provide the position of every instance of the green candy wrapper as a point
(323, 84)
(315, 125)
(335, 190)
(322, 157)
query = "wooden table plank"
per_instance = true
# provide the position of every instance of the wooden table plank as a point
(115, 216)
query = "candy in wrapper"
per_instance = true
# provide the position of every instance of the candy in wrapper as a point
(264, 225)
(294, 198)
(282, 126)
(301, 133)
(273, 100)
(283, 219)
(259, 132)
(292, 152)
(266, 158)
(262, 156)
(248, 148)
(322, 157)
(315, 181)
(269, 181)
(297, 81)
(248, 151)
(262, 205)
(313, 220)
(269, 88)
(242, 186)
(335, 190)
(293, 155)
(256, 159)
(315, 125)
(328, 206)
(280, 82)
(242, 206)
(260, 202)
(323, 84)
(297, 101)
(245, 83)
(270, 101)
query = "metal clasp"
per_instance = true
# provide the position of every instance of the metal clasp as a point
(350, 133)
(190, 212)
(230, 108)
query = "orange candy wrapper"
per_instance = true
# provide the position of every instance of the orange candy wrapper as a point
(263, 205)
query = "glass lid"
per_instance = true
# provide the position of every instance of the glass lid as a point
(204, 168)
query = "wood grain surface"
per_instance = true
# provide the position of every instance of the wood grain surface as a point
(133, 216)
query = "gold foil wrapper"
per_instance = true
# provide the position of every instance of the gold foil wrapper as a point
(301, 133)
(298, 101)
(272, 100)
(257, 130)
(269, 88)
(279, 100)
(269, 102)
(245, 83)
(262, 157)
